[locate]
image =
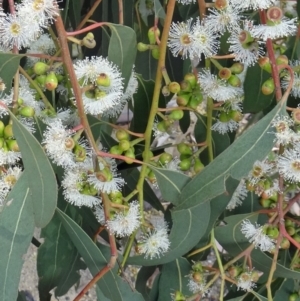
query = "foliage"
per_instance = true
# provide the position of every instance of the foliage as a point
(157, 134)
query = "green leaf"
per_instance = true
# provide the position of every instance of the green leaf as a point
(284, 291)
(16, 231)
(235, 161)
(74, 13)
(9, 64)
(158, 10)
(170, 183)
(58, 261)
(173, 278)
(122, 49)
(189, 225)
(255, 101)
(39, 174)
(111, 285)
(142, 279)
(233, 241)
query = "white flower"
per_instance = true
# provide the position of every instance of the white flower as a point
(107, 184)
(186, 1)
(259, 170)
(99, 214)
(204, 40)
(256, 236)
(244, 281)
(252, 4)
(156, 242)
(124, 223)
(216, 88)
(43, 45)
(286, 27)
(247, 53)
(224, 19)
(180, 41)
(14, 32)
(296, 84)
(76, 191)
(59, 144)
(289, 165)
(284, 135)
(7, 181)
(9, 157)
(238, 196)
(196, 287)
(225, 127)
(101, 97)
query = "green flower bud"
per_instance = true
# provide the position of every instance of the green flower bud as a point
(191, 78)
(99, 94)
(184, 149)
(178, 296)
(268, 86)
(265, 203)
(282, 60)
(183, 99)
(12, 145)
(237, 68)
(174, 87)
(225, 73)
(264, 63)
(198, 165)
(234, 271)
(152, 33)
(27, 111)
(122, 135)
(185, 164)
(165, 158)
(103, 80)
(285, 243)
(142, 47)
(236, 115)
(89, 41)
(2, 142)
(176, 114)
(104, 175)
(130, 155)
(273, 232)
(155, 53)
(40, 68)
(294, 297)
(80, 153)
(51, 81)
(234, 81)
(124, 145)
(290, 230)
(116, 150)
(2, 126)
(41, 79)
(8, 131)
(224, 117)
(185, 86)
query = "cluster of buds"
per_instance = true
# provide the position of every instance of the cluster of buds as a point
(153, 36)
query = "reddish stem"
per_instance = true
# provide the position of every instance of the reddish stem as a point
(86, 29)
(90, 13)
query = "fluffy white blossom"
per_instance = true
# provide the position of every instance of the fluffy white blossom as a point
(252, 4)
(9, 157)
(180, 41)
(59, 144)
(244, 282)
(225, 127)
(244, 53)
(259, 170)
(224, 19)
(156, 242)
(238, 196)
(125, 222)
(76, 190)
(289, 165)
(283, 133)
(101, 97)
(286, 27)
(8, 179)
(196, 287)
(217, 88)
(186, 1)
(256, 236)
(296, 83)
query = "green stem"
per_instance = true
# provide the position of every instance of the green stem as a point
(217, 64)
(210, 108)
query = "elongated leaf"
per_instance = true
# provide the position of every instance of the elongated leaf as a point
(285, 290)
(236, 161)
(170, 183)
(158, 10)
(141, 281)
(74, 13)
(39, 174)
(189, 225)
(122, 49)
(255, 101)
(233, 241)
(173, 278)
(58, 260)
(16, 231)
(9, 64)
(112, 286)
